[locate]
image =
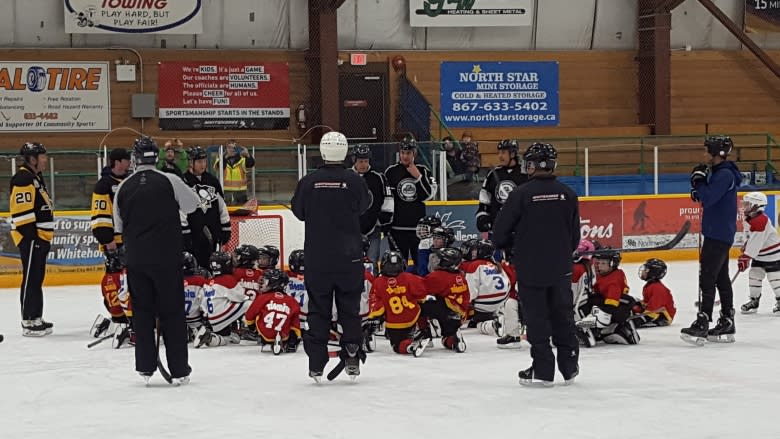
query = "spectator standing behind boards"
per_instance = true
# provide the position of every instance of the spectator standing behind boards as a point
(457, 167)
(469, 154)
(236, 161)
(169, 165)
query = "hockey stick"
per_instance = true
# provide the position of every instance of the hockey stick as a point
(392, 243)
(717, 302)
(665, 246)
(336, 371)
(100, 340)
(163, 372)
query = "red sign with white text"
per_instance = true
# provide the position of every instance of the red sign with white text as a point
(220, 95)
(602, 221)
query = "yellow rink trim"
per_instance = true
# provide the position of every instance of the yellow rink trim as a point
(684, 254)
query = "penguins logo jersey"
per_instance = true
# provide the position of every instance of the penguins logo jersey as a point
(498, 184)
(207, 194)
(503, 189)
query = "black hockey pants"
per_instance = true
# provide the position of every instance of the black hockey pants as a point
(714, 272)
(33, 254)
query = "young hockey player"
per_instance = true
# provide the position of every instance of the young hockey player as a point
(611, 303)
(269, 257)
(440, 237)
(195, 278)
(761, 252)
(110, 287)
(394, 298)
(657, 305)
(582, 290)
(296, 288)
(452, 298)
(245, 258)
(275, 315)
(224, 304)
(489, 286)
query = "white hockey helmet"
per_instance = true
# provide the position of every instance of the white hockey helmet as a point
(753, 202)
(333, 147)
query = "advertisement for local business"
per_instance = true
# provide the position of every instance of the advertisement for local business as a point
(218, 95)
(46, 96)
(134, 16)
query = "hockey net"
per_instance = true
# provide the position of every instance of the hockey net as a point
(257, 230)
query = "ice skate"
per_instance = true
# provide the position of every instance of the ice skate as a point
(568, 381)
(528, 378)
(316, 376)
(454, 342)
(509, 342)
(202, 337)
(122, 336)
(181, 381)
(724, 330)
(147, 376)
(99, 327)
(697, 333)
(35, 328)
(751, 307)
(586, 337)
(277, 346)
(490, 327)
(352, 361)
(776, 309)
(420, 342)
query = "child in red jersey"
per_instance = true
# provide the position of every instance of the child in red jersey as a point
(611, 303)
(394, 298)
(452, 299)
(275, 315)
(245, 262)
(582, 290)
(657, 305)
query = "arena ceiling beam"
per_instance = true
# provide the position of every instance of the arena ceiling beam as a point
(654, 64)
(322, 60)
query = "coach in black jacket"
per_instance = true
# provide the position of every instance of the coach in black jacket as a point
(146, 212)
(541, 222)
(330, 202)
(380, 213)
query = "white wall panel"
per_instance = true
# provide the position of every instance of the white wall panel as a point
(383, 24)
(347, 25)
(38, 23)
(255, 24)
(616, 24)
(564, 24)
(481, 38)
(212, 25)
(299, 24)
(693, 25)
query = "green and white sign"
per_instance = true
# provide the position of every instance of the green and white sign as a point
(470, 13)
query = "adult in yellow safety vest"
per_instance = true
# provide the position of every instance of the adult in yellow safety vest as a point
(236, 161)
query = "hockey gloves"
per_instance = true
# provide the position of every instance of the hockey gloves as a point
(699, 174)
(743, 262)
(695, 196)
(483, 223)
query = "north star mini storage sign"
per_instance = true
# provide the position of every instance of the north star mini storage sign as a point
(499, 94)
(54, 96)
(218, 95)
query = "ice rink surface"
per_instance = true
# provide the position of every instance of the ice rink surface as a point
(662, 388)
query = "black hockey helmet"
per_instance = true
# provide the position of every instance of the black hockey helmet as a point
(220, 263)
(408, 144)
(718, 145)
(361, 151)
(272, 253)
(145, 151)
(393, 263)
(653, 269)
(608, 254)
(467, 249)
(510, 145)
(246, 255)
(32, 149)
(275, 280)
(197, 153)
(189, 264)
(542, 155)
(295, 261)
(115, 261)
(445, 234)
(366, 246)
(449, 259)
(426, 224)
(485, 250)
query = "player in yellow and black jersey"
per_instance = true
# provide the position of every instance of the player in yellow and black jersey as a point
(103, 200)
(32, 230)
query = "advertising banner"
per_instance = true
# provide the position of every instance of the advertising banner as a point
(602, 221)
(762, 15)
(218, 95)
(470, 13)
(499, 94)
(54, 96)
(133, 16)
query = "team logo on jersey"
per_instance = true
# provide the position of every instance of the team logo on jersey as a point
(407, 189)
(114, 188)
(207, 195)
(503, 189)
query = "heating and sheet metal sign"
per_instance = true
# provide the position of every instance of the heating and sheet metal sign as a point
(54, 96)
(470, 13)
(499, 94)
(134, 16)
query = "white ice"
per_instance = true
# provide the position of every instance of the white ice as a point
(661, 388)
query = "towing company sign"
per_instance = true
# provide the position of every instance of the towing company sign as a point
(54, 96)
(134, 16)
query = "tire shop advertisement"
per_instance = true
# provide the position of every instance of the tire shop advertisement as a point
(217, 95)
(134, 16)
(54, 97)
(74, 256)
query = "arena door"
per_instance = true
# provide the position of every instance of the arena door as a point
(364, 102)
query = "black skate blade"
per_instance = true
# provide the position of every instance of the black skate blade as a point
(696, 341)
(725, 338)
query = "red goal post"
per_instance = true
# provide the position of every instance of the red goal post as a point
(257, 230)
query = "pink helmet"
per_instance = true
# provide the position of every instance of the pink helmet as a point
(585, 246)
